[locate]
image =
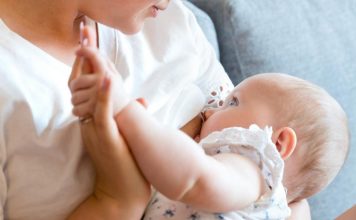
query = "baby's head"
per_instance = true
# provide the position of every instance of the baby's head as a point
(320, 125)
(309, 127)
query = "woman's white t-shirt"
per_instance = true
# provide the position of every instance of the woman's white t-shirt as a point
(45, 172)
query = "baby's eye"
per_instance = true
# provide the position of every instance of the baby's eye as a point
(233, 102)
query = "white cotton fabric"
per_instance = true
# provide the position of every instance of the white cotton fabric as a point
(254, 143)
(45, 172)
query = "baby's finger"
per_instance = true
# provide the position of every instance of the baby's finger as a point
(96, 60)
(82, 96)
(84, 82)
(84, 110)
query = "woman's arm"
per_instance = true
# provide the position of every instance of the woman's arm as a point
(120, 191)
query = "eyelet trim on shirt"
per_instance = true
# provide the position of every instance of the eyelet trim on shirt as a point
(217, 95)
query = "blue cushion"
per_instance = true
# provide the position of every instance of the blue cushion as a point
(314, 40)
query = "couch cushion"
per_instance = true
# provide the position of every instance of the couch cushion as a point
(314, 40)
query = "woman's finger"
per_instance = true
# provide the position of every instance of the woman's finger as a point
(103, 108)
(103, 115)
(87, 39)
(94, 57)
(90, 34)
(76, 70)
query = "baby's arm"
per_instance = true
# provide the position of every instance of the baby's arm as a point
(177, 167)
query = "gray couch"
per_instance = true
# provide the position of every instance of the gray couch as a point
(312, 39)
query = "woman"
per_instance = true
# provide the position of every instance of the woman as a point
(46, 173)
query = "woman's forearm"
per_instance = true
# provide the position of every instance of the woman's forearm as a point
(103, 207)
(120, 190)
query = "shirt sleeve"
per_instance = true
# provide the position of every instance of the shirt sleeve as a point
(213, 80)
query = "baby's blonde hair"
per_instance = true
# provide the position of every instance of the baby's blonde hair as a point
(321, 128)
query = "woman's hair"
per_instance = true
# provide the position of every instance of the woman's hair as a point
(321, 129)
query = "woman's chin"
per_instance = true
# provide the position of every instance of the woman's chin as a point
(130, 29)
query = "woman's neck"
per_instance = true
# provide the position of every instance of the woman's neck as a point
(51, 25)
(41, 16)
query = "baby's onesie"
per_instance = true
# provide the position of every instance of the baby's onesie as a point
(254, 143)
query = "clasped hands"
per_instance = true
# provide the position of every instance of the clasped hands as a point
(93, 81)
(93, 78)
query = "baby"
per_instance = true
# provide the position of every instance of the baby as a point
(276, 140)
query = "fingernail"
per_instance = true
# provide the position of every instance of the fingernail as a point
(81, 28)
(105, 83)
(81, 25)
(85, 42)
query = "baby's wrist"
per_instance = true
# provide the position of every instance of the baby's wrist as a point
(128, 109)
(118, 107)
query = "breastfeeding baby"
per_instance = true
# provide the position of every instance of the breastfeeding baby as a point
(275, 141)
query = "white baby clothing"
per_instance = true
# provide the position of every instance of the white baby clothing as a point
(254, 143)
(45, 172)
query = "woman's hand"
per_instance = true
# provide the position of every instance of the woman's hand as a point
(88, 77)
(86, 86)
(120, 192)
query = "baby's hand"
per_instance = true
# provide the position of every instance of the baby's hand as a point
(86, 86)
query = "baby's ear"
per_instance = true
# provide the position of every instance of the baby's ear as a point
(285, 140)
